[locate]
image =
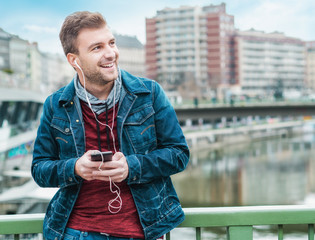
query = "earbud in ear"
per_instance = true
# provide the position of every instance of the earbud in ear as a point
(75, 62)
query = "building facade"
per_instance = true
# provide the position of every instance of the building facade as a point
(19, 60)
(14, 59)
(198, 52)
(56, 72)
(35, 72)
(4, 50)
(188, 48)
(131, 57)
(23, 66)
(268, 62)
(310, 64)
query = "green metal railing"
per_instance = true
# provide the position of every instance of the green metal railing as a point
(239, 221)
(21, 224)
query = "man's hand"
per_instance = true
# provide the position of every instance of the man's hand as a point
(84, 167)
(117, 169)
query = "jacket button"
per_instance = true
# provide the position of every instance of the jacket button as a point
(67, 130)
(70, 179)
(134, 178)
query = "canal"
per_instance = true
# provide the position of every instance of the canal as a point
(278, 171)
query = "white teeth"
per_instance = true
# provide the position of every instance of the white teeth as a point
(109, 65)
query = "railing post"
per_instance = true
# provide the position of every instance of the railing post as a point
(280, 232)
(168, 236)
(240, 233)
(198, 233)
(311, 232)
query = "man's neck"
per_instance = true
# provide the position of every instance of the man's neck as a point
(100, 91)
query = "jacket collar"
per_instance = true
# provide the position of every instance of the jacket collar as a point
(131, 83)
(68, 93)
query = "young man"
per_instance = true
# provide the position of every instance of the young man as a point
(107, 109)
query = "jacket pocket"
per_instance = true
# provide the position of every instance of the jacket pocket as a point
(57, 213)
(140, 129)
(158, 199)
(63, 137)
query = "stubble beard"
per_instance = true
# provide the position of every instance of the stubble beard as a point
(99, 78)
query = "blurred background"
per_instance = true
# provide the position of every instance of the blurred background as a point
(240, 74)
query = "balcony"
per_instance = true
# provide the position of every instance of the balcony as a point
(238, 221)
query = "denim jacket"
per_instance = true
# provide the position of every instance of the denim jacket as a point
(150, 137)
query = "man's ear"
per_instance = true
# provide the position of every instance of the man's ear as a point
(71, 59)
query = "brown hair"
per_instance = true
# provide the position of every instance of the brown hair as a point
(72, 26)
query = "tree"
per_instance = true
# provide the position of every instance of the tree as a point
(8, 71)
(278, 93)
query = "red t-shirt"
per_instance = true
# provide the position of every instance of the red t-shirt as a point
(90, 213)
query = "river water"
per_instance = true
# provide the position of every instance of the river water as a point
(277, 171)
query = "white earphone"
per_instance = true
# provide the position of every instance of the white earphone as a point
(75, 62)
(112, 209)
(88, 101)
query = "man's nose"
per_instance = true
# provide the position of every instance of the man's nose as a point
(109, 53)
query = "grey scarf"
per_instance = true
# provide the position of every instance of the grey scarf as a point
(97, 104)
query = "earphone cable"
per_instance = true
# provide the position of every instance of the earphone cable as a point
(111, 208)
(117, 198)
(90, 106)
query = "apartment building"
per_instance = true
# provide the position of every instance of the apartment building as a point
(23, 66)
(4, 50)
(14, 57)
(188, 48)
(19, 61)
(310, 64)
(268, 61)
(197, 51)
(56, 72)
(35, 65)
(131, 54)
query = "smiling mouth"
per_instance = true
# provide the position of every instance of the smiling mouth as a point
(108, 65)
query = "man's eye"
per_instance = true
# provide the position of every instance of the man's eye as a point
(112, 43)
(96, 48)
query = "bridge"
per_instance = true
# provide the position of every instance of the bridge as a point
(17, 105)
(216, 112)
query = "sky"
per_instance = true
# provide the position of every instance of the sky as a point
(40, 20)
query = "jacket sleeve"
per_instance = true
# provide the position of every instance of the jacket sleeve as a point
(47, 169)
(172, 153)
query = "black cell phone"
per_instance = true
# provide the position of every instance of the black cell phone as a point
(107, 156)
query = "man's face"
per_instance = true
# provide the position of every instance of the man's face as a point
(98, 55)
